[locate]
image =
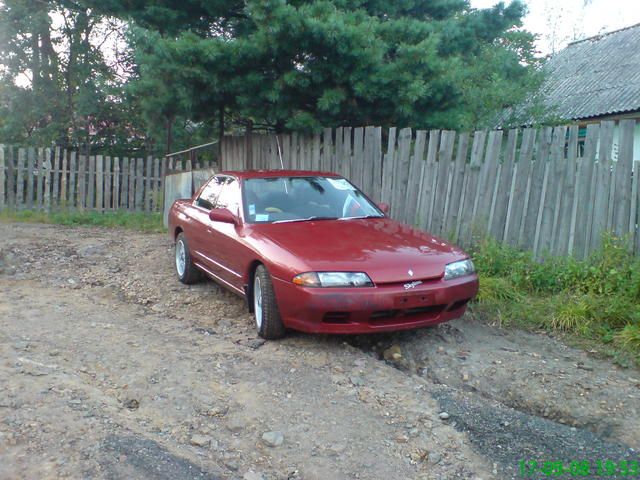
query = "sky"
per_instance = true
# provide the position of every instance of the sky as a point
(557, 22)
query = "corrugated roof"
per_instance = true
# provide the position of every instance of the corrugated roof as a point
(596, 76)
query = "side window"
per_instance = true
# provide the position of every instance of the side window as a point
(210, 193)
(229, 197)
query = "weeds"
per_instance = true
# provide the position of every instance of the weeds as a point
(594, 300)
(142, 222)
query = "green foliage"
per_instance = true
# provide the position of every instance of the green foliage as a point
(497, 289)
(142, 222)
(572, 315)
(307, 64)
(56, 85)
(596, 299)
(629, 337)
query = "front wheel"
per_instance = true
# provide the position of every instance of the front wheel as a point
(265, 307)
(186, 270)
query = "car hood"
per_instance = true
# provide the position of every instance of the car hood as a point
(386, 250)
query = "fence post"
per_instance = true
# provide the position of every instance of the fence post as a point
(2, 176)
(99, 159)
(46, 170)
(107, 183)
(91, 204)
(139, 184)
(63, 178)
(55, 172)
(156, 185)
(116, 183)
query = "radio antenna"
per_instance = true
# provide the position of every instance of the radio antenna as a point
(279, 153)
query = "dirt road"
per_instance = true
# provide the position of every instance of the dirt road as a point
(110, 368)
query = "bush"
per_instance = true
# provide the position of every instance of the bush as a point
(596, 298)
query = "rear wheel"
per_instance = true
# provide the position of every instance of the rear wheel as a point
(186, 270)
(265, 307)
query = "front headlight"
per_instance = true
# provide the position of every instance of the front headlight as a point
(333, 279)
(459, 269)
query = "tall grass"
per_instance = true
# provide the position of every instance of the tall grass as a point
(596, 299)
(142, 222)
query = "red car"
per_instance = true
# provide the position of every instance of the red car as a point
(310, 252)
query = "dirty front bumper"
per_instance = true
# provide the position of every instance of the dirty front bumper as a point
(373, 309)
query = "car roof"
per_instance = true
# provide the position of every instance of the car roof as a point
(245, 174)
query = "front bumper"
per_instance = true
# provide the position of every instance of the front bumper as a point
(376, 309)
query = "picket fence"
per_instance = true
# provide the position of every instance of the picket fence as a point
(54, 178)
(550, 190)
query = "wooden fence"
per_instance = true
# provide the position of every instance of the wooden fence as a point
(548, 190)
(52, 178)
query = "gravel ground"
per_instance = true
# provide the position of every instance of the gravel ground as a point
(110, 368)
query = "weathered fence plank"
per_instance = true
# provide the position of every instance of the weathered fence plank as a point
(81, 182)
(55, 171)
(72, 179)
(11, 182)
(64, 167)
(147, 190)
(624, 168)
(567, 193)
(99, 160)
(445, 154)
(131, 203)
(500, 203)
(401, 171)
(519, 201)
(427, 181)
(116, 183)
(20, 174)
(584, 207)
(415, 176)
(454, 193)
(327, 150)
(388, 167)
(40, 154)
(91, 201)
(46, 170)
(107, 183)
(2, 177)
(472, 170)
(139, 186)
(633, 217)
(31, 165)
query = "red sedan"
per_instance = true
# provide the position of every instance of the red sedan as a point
(310, 252)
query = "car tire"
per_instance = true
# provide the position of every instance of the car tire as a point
(187, 272)
(265, 307)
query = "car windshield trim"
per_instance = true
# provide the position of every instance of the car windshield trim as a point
(360, 217)
(315, 217)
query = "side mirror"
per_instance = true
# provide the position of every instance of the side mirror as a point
(384, 207)
(222, 215)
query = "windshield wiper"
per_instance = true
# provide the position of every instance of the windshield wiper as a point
(314, 217)
(361, 216)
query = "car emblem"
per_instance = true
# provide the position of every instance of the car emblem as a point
(410, 285)
(410, 272)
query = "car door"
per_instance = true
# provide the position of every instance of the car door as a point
(224, 243)
(198, 235)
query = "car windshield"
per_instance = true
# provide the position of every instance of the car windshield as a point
(296, 199)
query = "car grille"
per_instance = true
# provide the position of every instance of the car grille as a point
(336, 317)
(382, 316)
